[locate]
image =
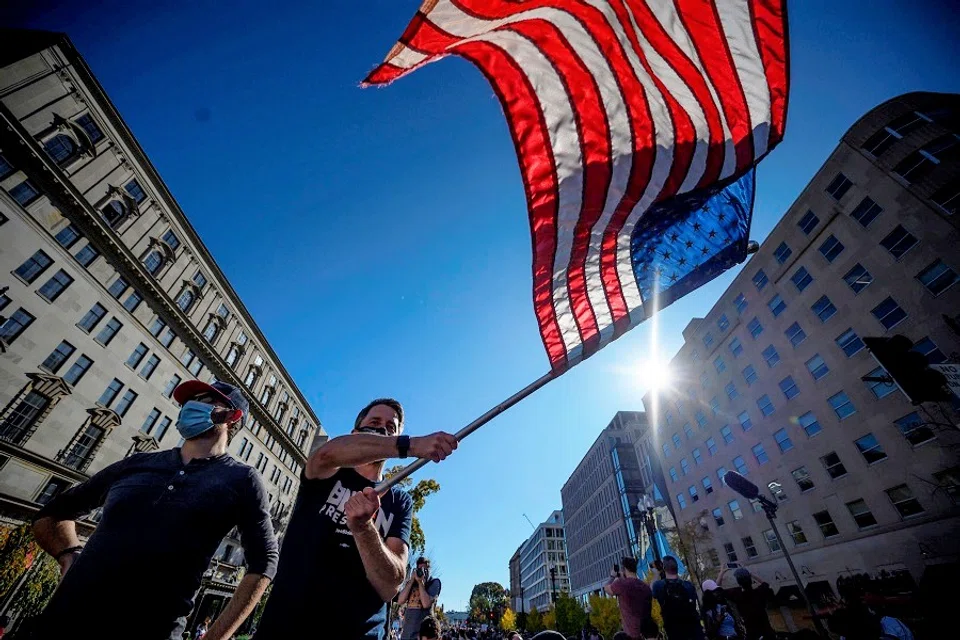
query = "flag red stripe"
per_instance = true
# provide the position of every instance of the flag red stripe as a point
(427, 37)
(539, 172)
(594, 134)
(383, 74)
(702, 23)
(770, 31)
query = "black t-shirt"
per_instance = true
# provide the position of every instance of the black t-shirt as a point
(321, 589)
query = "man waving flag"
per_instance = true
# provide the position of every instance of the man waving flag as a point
(638, 124)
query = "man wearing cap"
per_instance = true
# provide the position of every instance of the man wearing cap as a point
(164, 515)
(345, 551)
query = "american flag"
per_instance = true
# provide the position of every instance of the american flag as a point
(637, 126)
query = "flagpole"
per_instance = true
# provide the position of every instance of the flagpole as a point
(415, 466)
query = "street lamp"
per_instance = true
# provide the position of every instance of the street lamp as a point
(645, 506)
(750, 491)
(553, 581)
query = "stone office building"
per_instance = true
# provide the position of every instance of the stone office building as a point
(599, 503)
(770, 379)
(543, 565)
(110, 299)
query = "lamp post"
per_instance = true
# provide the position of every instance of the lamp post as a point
(523, 610)
(646, 505)
(553, 582)
(750, 491)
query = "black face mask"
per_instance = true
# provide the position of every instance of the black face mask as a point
(378, 430)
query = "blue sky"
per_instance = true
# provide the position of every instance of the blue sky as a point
(379, 237)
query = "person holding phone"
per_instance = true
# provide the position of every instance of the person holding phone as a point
(419, 595)
(635, 600)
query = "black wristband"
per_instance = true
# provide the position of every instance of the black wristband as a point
(75, 549)
(403, 446)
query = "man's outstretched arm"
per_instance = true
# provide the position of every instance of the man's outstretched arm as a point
(355, 449)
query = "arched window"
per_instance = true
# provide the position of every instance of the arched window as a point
(114, 212)
(185, 301)
(153, 262)
(211, 331)
(232, 355)
(252, 376)
(61, 148)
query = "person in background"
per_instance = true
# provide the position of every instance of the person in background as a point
(751, 602)
(719, 615)
(429, 629)
(635, 600)
(419, 595)
(678, 604)
(170, 509)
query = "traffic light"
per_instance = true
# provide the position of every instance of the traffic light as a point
(909, 369)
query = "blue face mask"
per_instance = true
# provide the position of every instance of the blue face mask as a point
(195, 419)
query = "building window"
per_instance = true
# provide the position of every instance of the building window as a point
(740, 303)
(223, 312)
(776, 305)
(118, 287)
(697, 457)
(896, 130)
(157, 326)
(68, 236)
(827, 527)
(87, 255)
(795, 334)
(880, 389)
(903, 501)
(701, 419)
(735, 511)
(707, 485)
(898, 242)
(858, 278)
(110, 393)
(947, 198)
(802, 477)
(232, 355)
(755, 328)
(789, 388)
(90, 126)
(770, 537)
(4, 301)
(708, 339)
(195, 367)
(17, 424)
(681, 501)
(817, 367)
(760, 280)
(808, 222)
(722, 323)
(839, 186)
(861, 513)
(842, 405)
(666, 450)
(51, 490)
(745, 423)
(673, 474)
(766, 406)
(200, 280)
(719, 364)
(722, 471)
(137, 355)
(704, 380)
(749, 374)
(109, 332)
(114, 212)
(801, 278)
(135, 191)
(849, 342)
(920, 163)
(80, 367)
(126, 401)
(133, 301)
(833, 465)
(831, 248)
(889, 313)
(185, 301)
(15, 325)
(718, 517)
(6, 169)
(809, 423)
(171, 385)
(162, 430)
(770, 356)
(171, 239)
(684, 466)
(711, 446)
(149, 367)
(782, 252)
(870, 448)
(796, 532)
(731, 553)
(168, 337)
(58, 357)
(78, 455)
(760, 453)
(938, 277)
(740, 465)
(153, 262)
(150, 422)
(24, 193)
(736, 348)
(694, 497)
(676, 437)
(687, 430)
(731, 391)
(31, 269)
(61, 148)
(726, 434)
(823, 308)
(749, 547)
(210, 331)
(866, 212)
(914, 429)
(783, 440)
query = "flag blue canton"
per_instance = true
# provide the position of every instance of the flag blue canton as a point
(687, 241)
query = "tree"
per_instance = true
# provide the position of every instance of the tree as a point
(605, 615)
(419, 492)
(692, 540)
(569, 614)
(487, 601)
(534, 621)
(509, 620)
(655, 605)
(550, 619)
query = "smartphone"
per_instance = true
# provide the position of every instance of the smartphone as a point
(616, 569)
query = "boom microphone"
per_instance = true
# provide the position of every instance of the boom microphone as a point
(741, 485)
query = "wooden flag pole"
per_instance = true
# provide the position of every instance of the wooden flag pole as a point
(415, 466)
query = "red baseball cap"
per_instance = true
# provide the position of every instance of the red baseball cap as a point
(226, 392)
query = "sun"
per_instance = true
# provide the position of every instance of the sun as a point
(654, 374)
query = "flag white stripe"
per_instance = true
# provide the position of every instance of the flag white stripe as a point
(407, 58)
